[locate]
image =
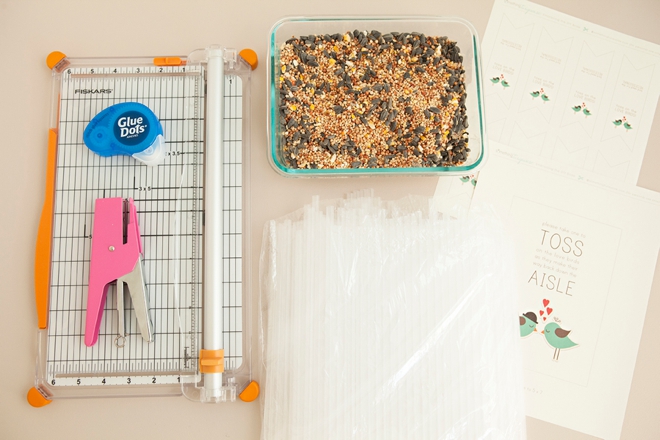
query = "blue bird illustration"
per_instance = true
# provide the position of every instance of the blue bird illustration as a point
(558, 338)
(544, 97)
(626, 125)
(528, 323)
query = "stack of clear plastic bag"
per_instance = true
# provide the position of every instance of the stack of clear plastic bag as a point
(383, 320)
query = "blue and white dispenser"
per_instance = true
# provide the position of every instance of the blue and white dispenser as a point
(128, 129)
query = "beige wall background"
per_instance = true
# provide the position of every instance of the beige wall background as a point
(29, 30)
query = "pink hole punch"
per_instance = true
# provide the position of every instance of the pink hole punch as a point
(116, 256)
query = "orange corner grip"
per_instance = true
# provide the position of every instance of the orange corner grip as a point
(168, 61)
(211, 361)
(36, 399)
(250, 57)
(250, 393)
(56, 60)
(42, 255)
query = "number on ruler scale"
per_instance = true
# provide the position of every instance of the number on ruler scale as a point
(167, 379)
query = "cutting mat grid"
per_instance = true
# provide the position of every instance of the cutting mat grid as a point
(169, 202)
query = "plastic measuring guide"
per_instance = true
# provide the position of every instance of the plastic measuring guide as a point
(191, 209)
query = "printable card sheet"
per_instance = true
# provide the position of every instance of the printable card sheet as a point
(569, 90)
(586, 248)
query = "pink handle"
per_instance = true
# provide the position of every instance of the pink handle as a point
(111, 257)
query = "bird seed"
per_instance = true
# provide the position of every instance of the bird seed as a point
(372, 100)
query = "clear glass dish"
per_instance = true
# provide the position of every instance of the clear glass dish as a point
(457, 30)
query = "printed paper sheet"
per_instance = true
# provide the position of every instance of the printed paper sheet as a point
(587, 249)
(566, 89)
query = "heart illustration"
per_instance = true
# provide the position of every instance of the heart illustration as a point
(549, 310)
(544, 318)
(541, 312)
(546, 302)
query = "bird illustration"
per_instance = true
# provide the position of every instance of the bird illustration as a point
(544, 97)
(465, 179)
(585, 110)
(626, 125)
(577, 108)
(495, 79)
(535, 94)
(617, 122)
(504, 83)
(558, 339)
(528, 323)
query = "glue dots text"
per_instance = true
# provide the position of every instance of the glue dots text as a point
(131, 126)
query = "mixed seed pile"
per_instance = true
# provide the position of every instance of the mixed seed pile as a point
(372, 100)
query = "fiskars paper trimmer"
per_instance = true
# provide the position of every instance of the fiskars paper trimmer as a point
(170, 203)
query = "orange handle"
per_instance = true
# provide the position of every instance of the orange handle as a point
(44, 236)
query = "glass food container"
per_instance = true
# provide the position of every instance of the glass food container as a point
(282, 146)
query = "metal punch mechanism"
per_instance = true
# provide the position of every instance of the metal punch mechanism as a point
(116, 256)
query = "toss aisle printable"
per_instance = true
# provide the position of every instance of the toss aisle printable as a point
(565, 266)
(569, 90)
(586, 249)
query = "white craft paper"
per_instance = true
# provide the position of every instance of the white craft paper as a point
(453, 195)
(566, 89)
(586, 249)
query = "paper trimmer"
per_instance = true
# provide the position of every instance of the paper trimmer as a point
(190, 209)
